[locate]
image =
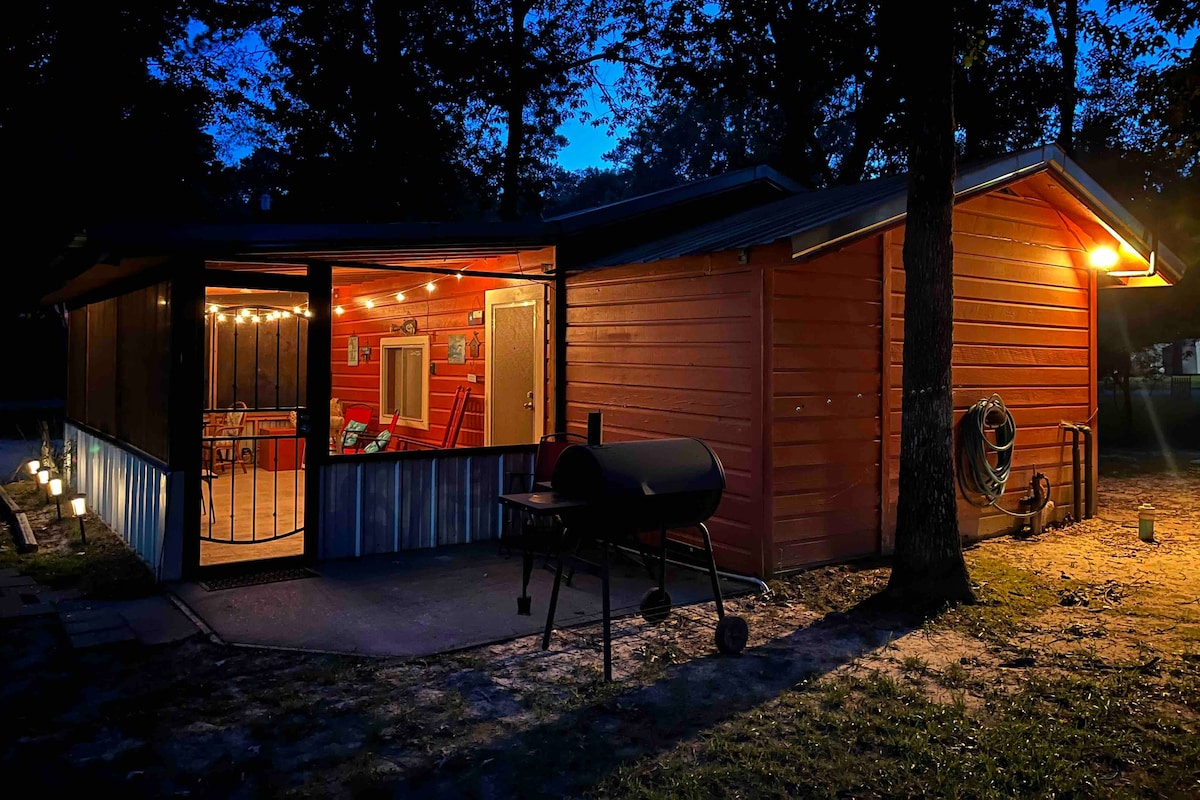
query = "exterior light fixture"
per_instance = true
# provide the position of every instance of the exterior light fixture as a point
(399, 297)
(162, 301)
(339, 311)
(1103, 257)
(429, 286)
(79, 508)
(369, 303)
(56, 488)
(33, 466)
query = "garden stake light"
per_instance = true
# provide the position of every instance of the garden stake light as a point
(56, 488)
(43, 477)
(79, 508)
(33, 467)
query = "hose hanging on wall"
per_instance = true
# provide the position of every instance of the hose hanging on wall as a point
(977, 475)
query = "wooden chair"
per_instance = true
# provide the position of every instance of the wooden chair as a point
(357, 419)
(229, 451)
(450, 437)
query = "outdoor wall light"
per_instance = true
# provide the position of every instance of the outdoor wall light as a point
(33, 466)
(399, 297)
(79, 508)
(339, 311)
(1103, 257)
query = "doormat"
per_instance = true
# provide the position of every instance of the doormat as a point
(255, 578)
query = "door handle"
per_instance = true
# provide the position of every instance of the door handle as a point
(528, 403)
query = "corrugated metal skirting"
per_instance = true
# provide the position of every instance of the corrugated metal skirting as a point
(127, 492)
(370, 507)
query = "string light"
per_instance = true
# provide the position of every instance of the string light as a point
(458, 276)
(339, 311)
(255, 319)
(399, 297)
(239, 320)
(214, 308)
(220, 317)
(245, 312)
(429, 286)
(285, 314)
(307, 313)
(369, 303)
(296, 310)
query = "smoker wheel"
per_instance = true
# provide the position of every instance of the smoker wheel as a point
(732, 634)
(656, 605)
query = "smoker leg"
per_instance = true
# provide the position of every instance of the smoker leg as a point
(662, 560)
(525, 602)
(558, 571)
(712, 571)
(607, 617)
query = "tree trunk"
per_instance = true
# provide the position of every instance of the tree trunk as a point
(1065, 20)
(928, 564)
(514, 111)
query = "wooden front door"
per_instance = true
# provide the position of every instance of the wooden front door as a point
(516, 361)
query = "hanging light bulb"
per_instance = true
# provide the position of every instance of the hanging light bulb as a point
(245, 312)
(458, 276)
(255, 319)
(339, 311)
(239, 320)
(214, 308)
(285, 314)
(429, 286)
(307, 313)
(399, 297)
(296, 310)
(369, 303)
(220, 317)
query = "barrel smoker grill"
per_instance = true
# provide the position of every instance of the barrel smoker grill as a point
(616, 493)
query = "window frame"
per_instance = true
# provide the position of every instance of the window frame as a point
(398, 343)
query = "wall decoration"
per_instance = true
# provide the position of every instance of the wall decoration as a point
(409, 326)
(475, 344)
(364, 354)
(475, 317)
(457, 347)
(352, 352)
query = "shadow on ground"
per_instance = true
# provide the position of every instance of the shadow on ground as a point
(572, 752)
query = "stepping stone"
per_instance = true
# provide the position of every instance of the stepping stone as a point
(102, 637)
(10, 572)
(94, 623)
(15, 581)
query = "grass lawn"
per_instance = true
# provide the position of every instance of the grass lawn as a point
(105, 570)
(1077, 674)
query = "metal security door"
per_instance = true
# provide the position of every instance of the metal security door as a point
(255, 426)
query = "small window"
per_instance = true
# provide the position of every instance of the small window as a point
(404, 380)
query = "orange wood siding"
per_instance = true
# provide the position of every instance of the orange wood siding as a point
(438, 315)
(674, 349)
(825, 429)
(1023, 328)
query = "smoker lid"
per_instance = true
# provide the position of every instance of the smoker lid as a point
(645, 468)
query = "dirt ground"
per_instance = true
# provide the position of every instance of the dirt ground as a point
(1089, 602)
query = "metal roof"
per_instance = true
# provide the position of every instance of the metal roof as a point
(817, 220)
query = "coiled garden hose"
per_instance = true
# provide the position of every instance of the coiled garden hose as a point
(978, 477)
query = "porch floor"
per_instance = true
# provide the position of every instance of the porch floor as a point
(253, 509)
(421, 602)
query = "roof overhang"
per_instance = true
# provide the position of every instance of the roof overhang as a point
(1118, 222)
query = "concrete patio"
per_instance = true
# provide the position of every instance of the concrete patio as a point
(421, 602)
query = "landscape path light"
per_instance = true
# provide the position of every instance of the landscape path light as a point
(56, 488)
(79, 508)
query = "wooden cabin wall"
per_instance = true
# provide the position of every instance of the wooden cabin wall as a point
(119, 367)
(674, 348)
(1024, 327)
(825, 426)
(438, 315)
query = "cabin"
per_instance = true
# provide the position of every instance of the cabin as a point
(766, 320)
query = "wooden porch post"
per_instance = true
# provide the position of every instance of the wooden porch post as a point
(185, 407)
(320, 360)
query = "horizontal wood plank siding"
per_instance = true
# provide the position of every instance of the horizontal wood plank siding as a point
(674, 349)
(1022, 329)
(410, 503)
(826, 423)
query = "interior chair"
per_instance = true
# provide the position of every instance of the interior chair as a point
(357, 419)
(549, 448)
(225, 452)
(450, 436)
